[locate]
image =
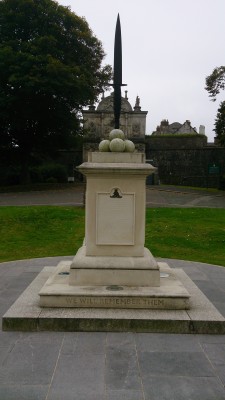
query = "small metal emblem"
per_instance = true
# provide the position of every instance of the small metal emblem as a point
(116, 194)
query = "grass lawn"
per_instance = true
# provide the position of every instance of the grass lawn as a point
(195, 234)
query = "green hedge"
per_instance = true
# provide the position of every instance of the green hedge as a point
(176, 135)
(49, 173)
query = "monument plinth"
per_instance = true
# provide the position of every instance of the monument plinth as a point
(113, 252)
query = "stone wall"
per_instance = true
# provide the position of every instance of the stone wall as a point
(166, 142)
(186, 160)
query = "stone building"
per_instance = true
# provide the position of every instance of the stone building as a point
(98, 122)
(177, 128)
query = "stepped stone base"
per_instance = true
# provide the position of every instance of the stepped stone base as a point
(27, 315)
(170, 295)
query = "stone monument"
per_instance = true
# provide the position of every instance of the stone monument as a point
(113, 269)
(113, 252)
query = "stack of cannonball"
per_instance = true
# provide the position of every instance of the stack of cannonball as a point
(117, 143)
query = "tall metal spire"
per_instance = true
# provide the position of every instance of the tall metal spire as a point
(117, 75)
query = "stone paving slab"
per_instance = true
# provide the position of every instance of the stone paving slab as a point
(26, 315)
(58, 365)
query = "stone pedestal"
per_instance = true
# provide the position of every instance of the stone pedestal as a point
(114, 252)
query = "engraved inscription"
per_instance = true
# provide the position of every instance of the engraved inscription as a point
(114, 302)
(115, 219)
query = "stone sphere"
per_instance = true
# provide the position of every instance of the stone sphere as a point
(116, 133)
(104, 145)
(129, 146)
(117, 145)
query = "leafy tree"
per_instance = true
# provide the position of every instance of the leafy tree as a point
(220, 123)
(50, 68)
(215, 82)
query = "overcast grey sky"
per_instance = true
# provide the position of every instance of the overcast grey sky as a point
(169, 47)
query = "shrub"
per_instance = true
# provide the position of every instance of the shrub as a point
(9, 176)
(49, 173)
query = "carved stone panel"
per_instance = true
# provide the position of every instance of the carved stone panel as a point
(115, 218)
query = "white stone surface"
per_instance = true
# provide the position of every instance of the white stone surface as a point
(129, 146)
(116, 133)
(57, 292)
(117, 145)
(104, 145)
(104, 176)
(115, 219)
(81, 260)
(105, 270)
(99, 157)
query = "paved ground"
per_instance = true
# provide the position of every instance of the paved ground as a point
(157, 196)
(111, 366)
(163, 196)
(73, 195)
